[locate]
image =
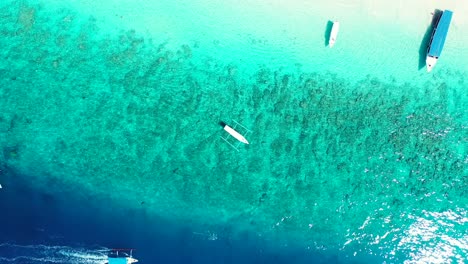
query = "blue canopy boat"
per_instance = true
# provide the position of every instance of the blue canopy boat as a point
(438, 39)
(121, 256)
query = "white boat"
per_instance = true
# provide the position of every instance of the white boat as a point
(334, 34)
(232, 131)
(235, 134)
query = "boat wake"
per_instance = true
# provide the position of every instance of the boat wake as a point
(26, 254)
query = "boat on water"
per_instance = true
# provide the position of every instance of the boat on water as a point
(235, 134)
(436, 44)
(334, 34)
(121, 256)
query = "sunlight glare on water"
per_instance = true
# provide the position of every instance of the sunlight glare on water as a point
(432, 238)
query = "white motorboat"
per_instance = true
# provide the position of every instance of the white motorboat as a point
(334, 34)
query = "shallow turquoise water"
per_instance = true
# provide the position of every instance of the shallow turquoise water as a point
(363, 160)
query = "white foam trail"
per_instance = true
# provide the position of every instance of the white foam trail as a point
(25, 254)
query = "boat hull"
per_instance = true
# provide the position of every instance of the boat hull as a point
(438, 37)
(430, 63)
(235, 134)
(334, 34)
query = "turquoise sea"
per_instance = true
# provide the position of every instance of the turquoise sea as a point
(110, 135)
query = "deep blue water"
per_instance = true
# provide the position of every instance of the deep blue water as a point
(35, 218)
(59, 220)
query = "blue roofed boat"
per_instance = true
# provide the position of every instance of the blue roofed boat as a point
(121, 256)
(438, 39)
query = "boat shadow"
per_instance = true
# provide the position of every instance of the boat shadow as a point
(427, 37)
(328, 28)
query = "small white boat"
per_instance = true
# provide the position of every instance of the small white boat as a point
(334, 34)
(232, 131)
(235, 134)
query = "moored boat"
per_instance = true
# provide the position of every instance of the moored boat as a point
(233, 132)
(334, 34)
(436, 44)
